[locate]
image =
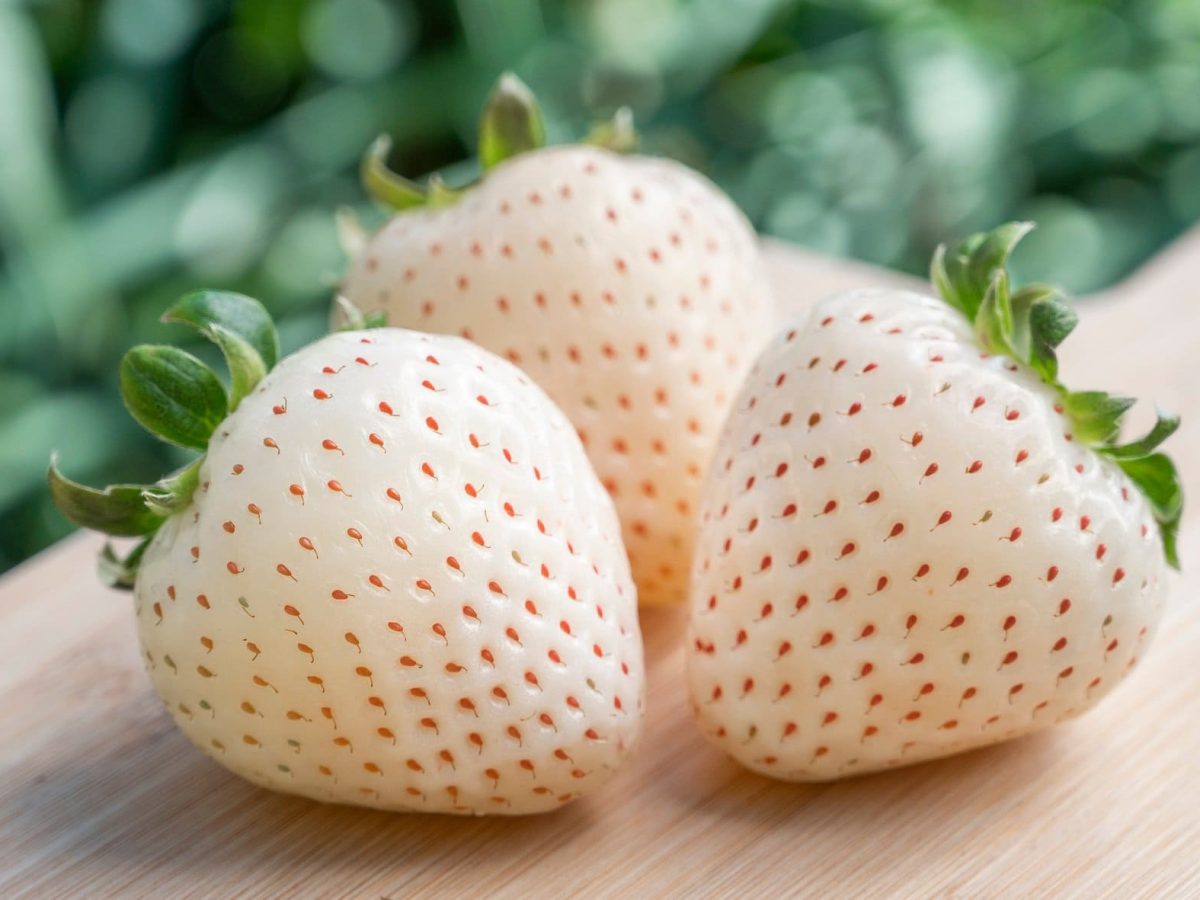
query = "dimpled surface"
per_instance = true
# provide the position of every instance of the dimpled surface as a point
(400, 585)
(630, 288)
(904, 554)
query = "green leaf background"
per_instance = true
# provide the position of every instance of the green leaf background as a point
(152, 147)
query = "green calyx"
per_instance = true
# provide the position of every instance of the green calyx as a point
(511, 124)
(1028, 325)
(179, 399)
(351, 318)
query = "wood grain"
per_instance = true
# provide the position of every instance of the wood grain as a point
(100, 796)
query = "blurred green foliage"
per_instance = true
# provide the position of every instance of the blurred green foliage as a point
(148, 147)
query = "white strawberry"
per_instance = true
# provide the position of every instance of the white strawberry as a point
(630, 288)
(915, 541)
(392, 579)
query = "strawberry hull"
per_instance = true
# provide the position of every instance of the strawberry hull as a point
(905, 553)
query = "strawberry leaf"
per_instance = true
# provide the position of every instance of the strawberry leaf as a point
(617, 134)
(1095, 415)
(957, 264)
(1158, 480)
(238, 314)
(994, 321)
(354, 319)
(246, 367)
(172, 394)
(439, 194)
(119, 509)
(941, 279)
(119, 573)
(964, 274)
(1165, 425)
(512, 122)
(1042, 321)
(173, 493)
(384, 185)
(950, 275)
(989, 255)
(1169, 531)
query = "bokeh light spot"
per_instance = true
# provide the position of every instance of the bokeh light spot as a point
(1115, 111)
(149, 32)
(108, 125)
(358, 39)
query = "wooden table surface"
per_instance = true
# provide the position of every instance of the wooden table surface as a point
(101, 796)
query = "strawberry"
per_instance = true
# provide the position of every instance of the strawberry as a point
(392, 579)
(915, 540)
(630, 288)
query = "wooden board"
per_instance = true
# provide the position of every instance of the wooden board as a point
(100, 796)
